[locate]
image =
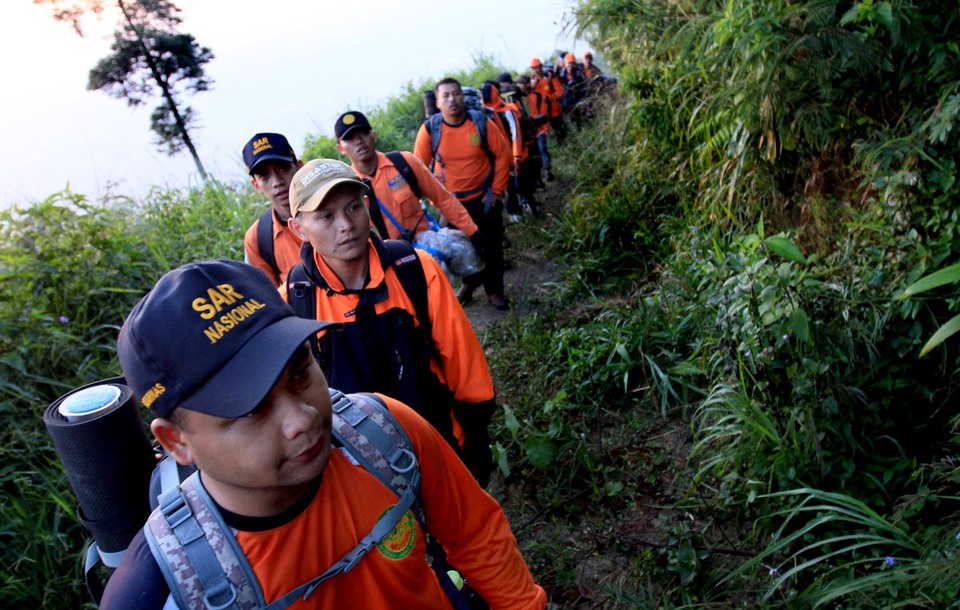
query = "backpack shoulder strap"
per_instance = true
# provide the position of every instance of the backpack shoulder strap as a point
(404, 260)
(434, 127)
(300, 292)
(198, 554)
(302, 297)
(398, 160)
(365, 429)
(265, 239)
(373, 206)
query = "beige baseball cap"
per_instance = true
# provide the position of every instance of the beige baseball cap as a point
(314, 181)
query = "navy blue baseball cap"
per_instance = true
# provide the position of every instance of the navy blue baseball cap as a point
(348, 121)
(264, 146)
(212, 337)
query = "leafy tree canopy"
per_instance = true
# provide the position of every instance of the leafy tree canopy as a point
(149, 55)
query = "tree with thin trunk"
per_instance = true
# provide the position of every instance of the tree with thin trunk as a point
(149, 54)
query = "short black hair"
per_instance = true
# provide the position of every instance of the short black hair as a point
(447, 81)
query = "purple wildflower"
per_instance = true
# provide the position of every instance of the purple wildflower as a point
(64, 320)
(890, 561)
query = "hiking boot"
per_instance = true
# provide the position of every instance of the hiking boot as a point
(499, 301)
(513, 219)
(465, 294)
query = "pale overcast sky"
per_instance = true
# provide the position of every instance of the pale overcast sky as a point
(288, 66)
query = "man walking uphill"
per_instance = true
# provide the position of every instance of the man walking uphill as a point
(393, 178)
(471, 157)
(268, 244)
(404, 334)
(252, 411)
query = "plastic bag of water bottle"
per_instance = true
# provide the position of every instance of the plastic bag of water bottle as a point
(453, 249)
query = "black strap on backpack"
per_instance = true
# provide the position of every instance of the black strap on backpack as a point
(376, 214)
(373, 206)
(396, 157)
(400, 255)
(265, 239)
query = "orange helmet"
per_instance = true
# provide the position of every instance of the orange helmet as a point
(570, 57)
(535, 62)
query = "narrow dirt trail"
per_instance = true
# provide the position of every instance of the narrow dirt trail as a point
(526, 282)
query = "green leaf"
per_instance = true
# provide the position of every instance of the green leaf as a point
(500, 457)
(684, 368)
(785, 247)
(510, 421)
(948, 275)
(800, 325)
(943, 333)
(540, 452)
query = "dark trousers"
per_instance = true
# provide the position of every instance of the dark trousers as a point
(544, 152)
(490, 224)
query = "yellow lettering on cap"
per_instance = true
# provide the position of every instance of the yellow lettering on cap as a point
(152, 394)
(224, 294)
(261, 145)
(349, 119)
(231, 319)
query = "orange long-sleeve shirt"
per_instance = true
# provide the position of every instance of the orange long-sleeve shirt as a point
(512, 114)
(465, 163)
(395, 194)
(551, 87)
(539, 104)
(286, 250)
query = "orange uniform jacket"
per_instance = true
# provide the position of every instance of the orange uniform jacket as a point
(286, 250)
(513, 118)
(551, 87)
(464, 366)
(395, 194)
(466, 165)
(394, 575)
(539, 104)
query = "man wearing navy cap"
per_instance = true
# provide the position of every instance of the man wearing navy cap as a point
(223, 364)
(395, 208)
(273, 248)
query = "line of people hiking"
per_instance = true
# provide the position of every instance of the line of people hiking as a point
(234, 361)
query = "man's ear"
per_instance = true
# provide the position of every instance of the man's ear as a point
(295, 227)
(170, 437)
(340, 148)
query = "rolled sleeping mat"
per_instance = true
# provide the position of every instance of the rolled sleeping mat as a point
(430, 103)
(103, 444)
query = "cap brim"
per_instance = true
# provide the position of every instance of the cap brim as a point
(351, 128)
(245, 380)
(269, 157)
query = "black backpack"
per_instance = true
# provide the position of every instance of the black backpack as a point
(405, 262)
